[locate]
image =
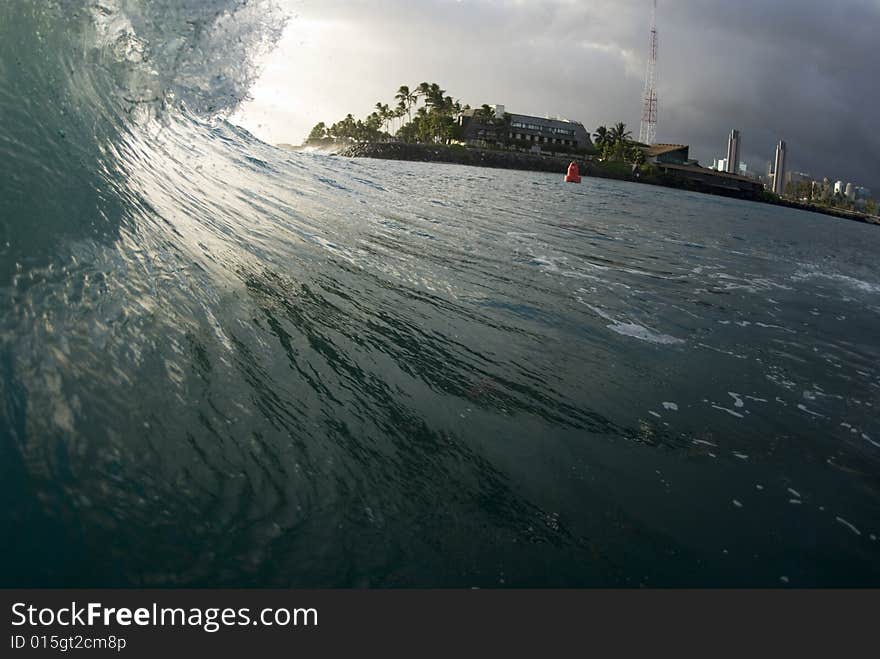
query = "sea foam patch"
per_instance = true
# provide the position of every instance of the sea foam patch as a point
(642, 333)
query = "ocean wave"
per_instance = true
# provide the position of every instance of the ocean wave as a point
(223, 363)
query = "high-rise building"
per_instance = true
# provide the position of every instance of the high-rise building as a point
(850, 192)
(779, 168)
(733, 152)
(839, 188)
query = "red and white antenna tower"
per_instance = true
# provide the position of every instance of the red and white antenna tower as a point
(648, 130)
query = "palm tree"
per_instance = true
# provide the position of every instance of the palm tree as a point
(619, 133)
(406, 99)
(486, 112)
(423, 89)
(385, 115)
(601, 137)
(433, 94)
(319, 132)
(399, 112)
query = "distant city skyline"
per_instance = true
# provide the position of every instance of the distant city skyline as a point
(587, 62)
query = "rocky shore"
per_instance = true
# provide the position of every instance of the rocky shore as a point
(459, 156)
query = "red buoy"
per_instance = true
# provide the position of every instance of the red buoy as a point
(574, 174)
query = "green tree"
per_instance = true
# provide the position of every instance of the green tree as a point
(636, 155)
(319, 132)
(385, 114)
(486, 113)
(619, 133)
(406, 99)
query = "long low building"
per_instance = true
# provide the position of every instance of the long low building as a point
(674, 160)
(721, 182)
(526, 130)
(675, 154)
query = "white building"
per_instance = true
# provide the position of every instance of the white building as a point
(850, 192)
(839, 188)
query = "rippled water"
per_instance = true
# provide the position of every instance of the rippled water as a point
(225, 364)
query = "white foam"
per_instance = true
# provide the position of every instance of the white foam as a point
(794, 493)
(723, 352)
(737, 504)
(781, 381)
(672, 407)
(803, 408)
(849, 526)
(737, 399)
(546, 263)
(729, 411)
(644, 334)
(859, 284)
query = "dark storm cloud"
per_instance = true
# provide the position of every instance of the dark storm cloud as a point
(799, 70)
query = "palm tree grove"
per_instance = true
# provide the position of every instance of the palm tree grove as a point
(426, 114)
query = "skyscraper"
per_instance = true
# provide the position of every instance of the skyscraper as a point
(779, 168)
(733, 152)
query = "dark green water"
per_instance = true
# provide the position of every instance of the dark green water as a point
(439, 376)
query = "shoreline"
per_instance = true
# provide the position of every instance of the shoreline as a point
(491, 159)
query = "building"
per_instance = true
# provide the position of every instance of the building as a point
(734, 145)
(820, 189)
(862, 192)
(779, 168)
(839, 188)
(850, 192)
(668, 154)
(524, 131)
(674, 160)
(720, 165)
(744, 171)
(709, 180)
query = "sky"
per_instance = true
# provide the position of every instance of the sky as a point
(799, 70)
